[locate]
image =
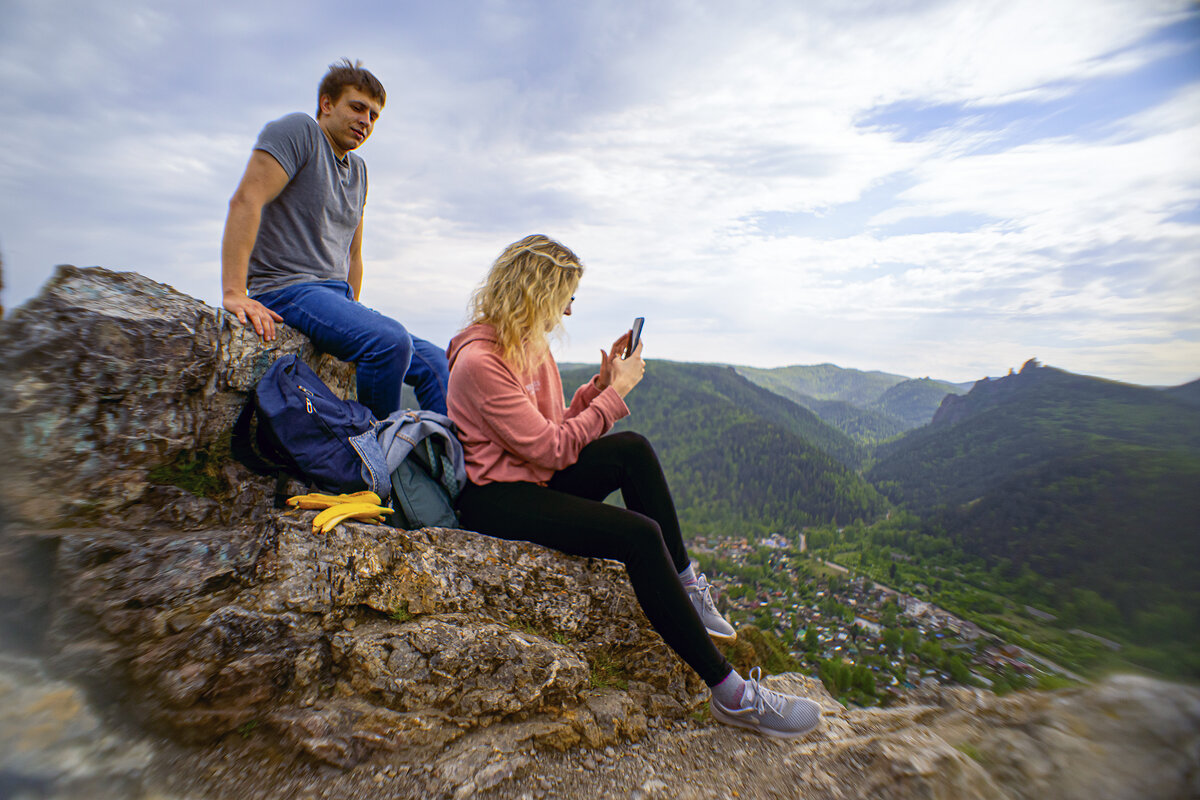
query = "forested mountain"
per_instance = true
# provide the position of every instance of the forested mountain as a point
(913, 402)
(1022, 421)
(739, 457)
(1188, 392)
(825, 382)
(867, 406)
(863, 425)
(1088, 484)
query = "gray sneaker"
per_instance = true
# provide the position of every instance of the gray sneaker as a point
(783, 716)
(702, 601)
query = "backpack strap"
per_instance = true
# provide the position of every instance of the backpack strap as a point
(266, 459)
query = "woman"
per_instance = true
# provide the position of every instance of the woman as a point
(538, 473)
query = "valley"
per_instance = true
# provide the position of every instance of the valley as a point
(1051, 513)
(869, 643)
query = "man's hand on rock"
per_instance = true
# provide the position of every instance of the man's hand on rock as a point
(253, 312)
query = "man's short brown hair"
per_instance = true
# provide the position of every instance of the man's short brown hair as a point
(342, 74)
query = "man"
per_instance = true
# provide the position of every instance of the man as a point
(292, 250)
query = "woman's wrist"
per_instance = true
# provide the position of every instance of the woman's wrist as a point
(623, 388)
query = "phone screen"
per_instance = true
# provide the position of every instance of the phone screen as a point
(636, 337)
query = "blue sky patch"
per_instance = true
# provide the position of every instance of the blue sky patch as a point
(839, 221)
(1081, 110)
(1189, 216)
(961, 222)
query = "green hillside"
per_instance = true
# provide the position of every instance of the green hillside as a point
(1188, 392)
(869, 407)
(913, 402)
(825, 382)
(863, 425)
(1081, 491)
(859, 423)
(1021, 422)
(740, 458)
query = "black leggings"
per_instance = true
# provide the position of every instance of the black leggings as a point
(569, 515)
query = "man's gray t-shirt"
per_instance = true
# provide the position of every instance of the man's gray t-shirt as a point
(306, 231)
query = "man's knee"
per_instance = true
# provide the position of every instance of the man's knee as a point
(432, 357)
(390, 341)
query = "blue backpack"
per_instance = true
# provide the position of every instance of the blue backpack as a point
(307, 432)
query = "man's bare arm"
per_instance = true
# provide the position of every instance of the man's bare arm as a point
(356, 261)
(262, 182)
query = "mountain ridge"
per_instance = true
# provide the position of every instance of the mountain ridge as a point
(869, 406)
(739, 456)
(1088, 483)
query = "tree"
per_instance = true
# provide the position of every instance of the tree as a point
(864, 679)
(958, 670)
(844, 676)
(889, 615)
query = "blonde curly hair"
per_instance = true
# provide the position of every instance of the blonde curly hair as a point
(523, 297)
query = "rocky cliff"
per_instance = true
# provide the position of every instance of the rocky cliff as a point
(167, 633)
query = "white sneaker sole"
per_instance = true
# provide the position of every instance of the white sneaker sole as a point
(724, 638)
(750, 725)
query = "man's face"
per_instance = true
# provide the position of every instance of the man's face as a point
(349, 121)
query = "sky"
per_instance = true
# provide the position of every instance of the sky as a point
(940, 188)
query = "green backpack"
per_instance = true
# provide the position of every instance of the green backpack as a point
(427, 470)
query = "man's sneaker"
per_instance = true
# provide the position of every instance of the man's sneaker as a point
(771, 713)
(702, 601)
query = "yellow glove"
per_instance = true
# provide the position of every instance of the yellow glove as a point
(328, 519)
(316, 500)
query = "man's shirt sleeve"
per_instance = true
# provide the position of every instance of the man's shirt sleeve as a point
(289, 141)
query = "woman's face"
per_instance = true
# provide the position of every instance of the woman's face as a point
(552, 324)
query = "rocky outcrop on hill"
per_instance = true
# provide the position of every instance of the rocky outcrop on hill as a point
(217, 611)
(986, 393)
(179, 637)
(180, 591)
(120, 391)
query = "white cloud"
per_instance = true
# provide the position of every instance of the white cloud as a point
(672, 145)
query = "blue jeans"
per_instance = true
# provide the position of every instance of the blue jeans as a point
(385, 355)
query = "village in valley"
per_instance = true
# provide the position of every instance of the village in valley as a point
(869, 644)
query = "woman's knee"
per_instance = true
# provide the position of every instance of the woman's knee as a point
(630, 439)
(630, 442)
(639, 539)
(634, 448)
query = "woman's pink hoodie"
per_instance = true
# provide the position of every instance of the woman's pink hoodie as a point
(514, 428)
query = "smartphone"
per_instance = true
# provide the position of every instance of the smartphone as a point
(636, 337)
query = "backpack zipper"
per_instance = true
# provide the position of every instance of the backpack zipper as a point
(307, 395)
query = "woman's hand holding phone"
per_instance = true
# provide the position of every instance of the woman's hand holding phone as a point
(621, 373)
(627, 372)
